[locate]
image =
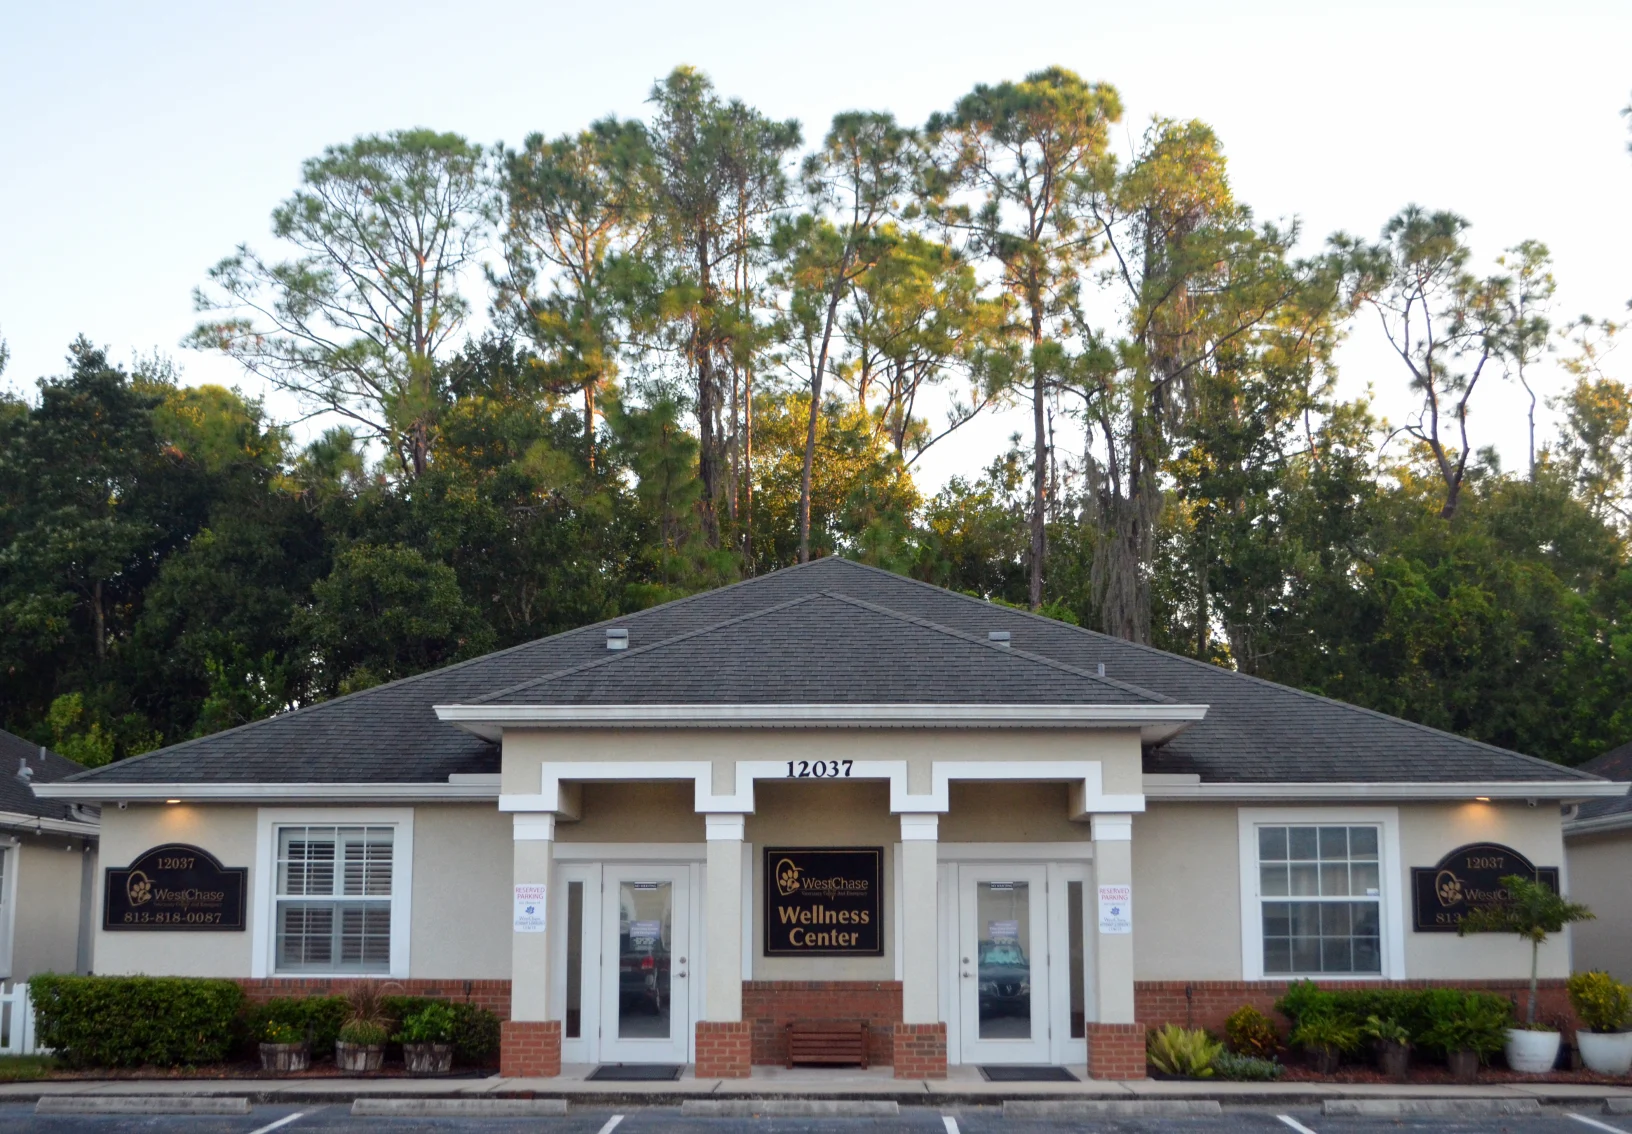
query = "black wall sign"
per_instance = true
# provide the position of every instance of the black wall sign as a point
(822, 902)
(175, 886)
(1467, 877)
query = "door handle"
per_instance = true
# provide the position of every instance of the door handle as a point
(680, 976)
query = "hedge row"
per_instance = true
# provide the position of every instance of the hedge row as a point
(105, 1021)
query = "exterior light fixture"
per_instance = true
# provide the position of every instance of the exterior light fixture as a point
(172, 801)
(1480, 798)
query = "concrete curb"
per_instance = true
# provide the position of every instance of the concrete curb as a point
(1111, 1108)
(139, 1104)
(1407, 1108)
(459, 1108)
(1618, 1106)
(789, 1108)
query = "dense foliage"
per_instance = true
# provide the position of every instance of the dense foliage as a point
(92, 1021)
(708, 359)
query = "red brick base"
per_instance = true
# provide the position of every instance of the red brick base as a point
(1116, 1051)
(530, 1049)
(919, 1051)
(724, 1050)
(771, 1005)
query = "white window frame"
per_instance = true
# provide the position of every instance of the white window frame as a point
(1390, 906)
(268, 820)
(11, 856)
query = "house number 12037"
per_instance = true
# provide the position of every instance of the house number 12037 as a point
(818, 769)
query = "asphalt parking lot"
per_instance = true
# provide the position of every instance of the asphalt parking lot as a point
(21, 1119)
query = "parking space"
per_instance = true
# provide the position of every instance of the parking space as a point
(20, 1119)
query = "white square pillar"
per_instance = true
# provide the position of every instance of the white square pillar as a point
(918, 935)
(1113, 965)
(722, 988)
(534, 845)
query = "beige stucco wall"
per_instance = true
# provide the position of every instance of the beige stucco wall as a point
(635, 813)
(45, 927)
(1600, 875)
(1187, 886)
(228, 833)
(459, 923)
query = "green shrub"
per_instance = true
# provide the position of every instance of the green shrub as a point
(364, 1034)
(1387, 1030)
(1182, 1051)
(1246, 1068)
(315, 1020)
(278, 1032)
(1331, 1033)
(1466, 1021)
(475, 1030)
(101, 1021)
(1601, 1001)
(1250, 1032)
(432, 1023)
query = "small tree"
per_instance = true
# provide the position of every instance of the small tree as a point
(1533, 911)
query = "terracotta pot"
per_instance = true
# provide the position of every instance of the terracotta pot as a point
(358, 1056)
(428, 1058)
(285, 1057)
(1533, 1053)
(1607, 1053)
(1394, 1059)
(1323, 1060)
(1464, 1065)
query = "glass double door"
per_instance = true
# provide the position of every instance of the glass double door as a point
(626, 981)
(1020, 967)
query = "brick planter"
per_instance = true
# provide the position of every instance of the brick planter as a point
(530, 1049)
(1116, 1051)
(919, 1051)
(724, 1049)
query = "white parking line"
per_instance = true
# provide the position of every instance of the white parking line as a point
(1294, 1124)
(611, 1124)
(950, 1123)
(284, 1121)
(1593, 1122)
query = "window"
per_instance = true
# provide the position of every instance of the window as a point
(1321, 893)
(334, 899)
(331, 891)
(1320, 889)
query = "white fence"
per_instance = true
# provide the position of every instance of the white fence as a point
(17, 1022)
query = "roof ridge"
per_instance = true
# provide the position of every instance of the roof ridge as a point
(1166, 654)
(638, 650)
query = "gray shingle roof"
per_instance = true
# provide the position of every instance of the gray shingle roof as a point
(15, 795)
(1255, 731)
(1616, 764)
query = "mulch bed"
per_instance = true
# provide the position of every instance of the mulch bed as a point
(1436, 1075)
(252, 1070)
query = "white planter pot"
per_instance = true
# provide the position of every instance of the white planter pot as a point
(1608, 1053)
(1531, 1052)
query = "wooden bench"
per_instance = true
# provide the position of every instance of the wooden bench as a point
(827, 1041)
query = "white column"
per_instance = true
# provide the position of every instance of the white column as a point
(918, 935)
(534, 844)
(1113, 967)
(722, 989)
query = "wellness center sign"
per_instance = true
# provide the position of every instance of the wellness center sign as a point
(175, 886)
(822, 902)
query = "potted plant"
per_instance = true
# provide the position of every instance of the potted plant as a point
(1534, 912)
(284, 1049)
(427, 1040)
(1393, 1044)
(1468, 1027)
(361, 1043)
(1604, 1004)
(1325, 1038)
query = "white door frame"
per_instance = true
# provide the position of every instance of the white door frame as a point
(683, 961)
(1054, 966)
(585, 1047)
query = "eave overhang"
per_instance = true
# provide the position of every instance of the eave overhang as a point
(485, 789)
(1156, 723)
(1164, 789)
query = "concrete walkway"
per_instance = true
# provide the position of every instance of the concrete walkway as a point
(963, 1085)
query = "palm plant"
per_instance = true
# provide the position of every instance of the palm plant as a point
(1532, 910)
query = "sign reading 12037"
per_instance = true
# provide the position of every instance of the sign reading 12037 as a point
(819, 769)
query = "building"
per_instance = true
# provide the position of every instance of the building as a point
(827, 792)
(1598, 847)
(47, 866)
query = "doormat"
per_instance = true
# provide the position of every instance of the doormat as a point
(635, 1072)
(1012, 1073)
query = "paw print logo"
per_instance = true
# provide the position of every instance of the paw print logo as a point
(1448, 887)
(787, 878)
(138, 889)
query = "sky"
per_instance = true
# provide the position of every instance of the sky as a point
(141, 143)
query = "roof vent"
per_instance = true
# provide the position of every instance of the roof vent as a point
(24, 772)
(617, 639)
(1102, 669)
(998, 638)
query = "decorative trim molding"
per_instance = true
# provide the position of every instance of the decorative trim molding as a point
(533, 827)
(1599, 824)
(1112, 828)
(920, 828)
(1343, 792)
(215, 792)
(725, 828)
(22, 821)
